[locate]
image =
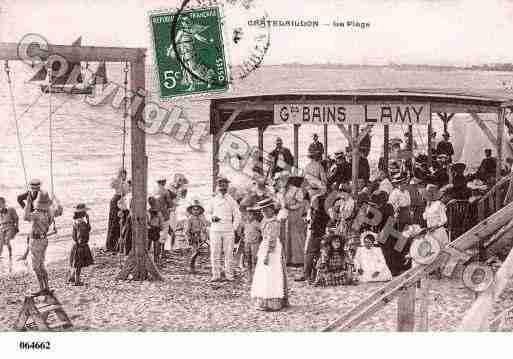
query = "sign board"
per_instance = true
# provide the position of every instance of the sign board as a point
(339, 114)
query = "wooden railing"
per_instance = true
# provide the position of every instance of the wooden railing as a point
(493, 200)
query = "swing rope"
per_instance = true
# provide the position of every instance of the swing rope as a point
(18, 134)
(125, 115)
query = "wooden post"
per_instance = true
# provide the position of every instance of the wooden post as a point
(355, 158)
(261, 149)
(325, 141)
(386, 149)
(424, 304)
(215, 160)
(138, 263)
(500, 135)
(410, 137)
(430, 144)
(296, 145)
(406, 310)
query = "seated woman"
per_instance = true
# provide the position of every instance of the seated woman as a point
(369, 260)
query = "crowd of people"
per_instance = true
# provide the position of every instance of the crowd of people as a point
(283, 218)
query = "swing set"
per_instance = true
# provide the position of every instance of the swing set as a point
(138, 265)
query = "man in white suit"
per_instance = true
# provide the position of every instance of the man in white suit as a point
(223, 212)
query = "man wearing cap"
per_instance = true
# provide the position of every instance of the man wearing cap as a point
(166, 202)
(444, 147)
(40, 213)
(316, 145)
(340, 172)
(281, 158)
(223, 212)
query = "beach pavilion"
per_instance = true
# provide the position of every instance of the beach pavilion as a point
(354, 113)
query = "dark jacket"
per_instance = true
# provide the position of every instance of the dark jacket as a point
(287, 157)
(445, 148)
(339, 173)
(487, 168)
(316, 147)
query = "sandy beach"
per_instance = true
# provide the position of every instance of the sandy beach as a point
(188, 302)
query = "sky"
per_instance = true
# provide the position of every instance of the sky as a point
(443, 32)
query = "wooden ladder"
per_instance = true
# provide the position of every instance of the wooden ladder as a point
(45, 314)
(401, 285)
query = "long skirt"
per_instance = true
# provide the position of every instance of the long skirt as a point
(113, 229)
(295, 238)
(80, 256)
(127, 233)
(269, 286)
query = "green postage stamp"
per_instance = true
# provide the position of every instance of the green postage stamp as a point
(194, 61)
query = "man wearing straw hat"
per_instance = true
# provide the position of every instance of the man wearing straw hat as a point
(223, 212)
(40, 214)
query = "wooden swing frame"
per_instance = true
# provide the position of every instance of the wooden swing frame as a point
(138, 265)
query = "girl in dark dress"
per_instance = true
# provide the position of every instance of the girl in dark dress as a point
(80, 252)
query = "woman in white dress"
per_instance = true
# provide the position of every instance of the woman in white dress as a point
(269, 286)
(435, 215)
(369, 260)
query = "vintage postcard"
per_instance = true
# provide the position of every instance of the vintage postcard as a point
(255, 166)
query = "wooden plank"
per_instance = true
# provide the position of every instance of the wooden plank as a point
(267, 103)
(10, 51)
(500, 155)
(382, 296)
(296, 145)
(406, 309)
(227, 124)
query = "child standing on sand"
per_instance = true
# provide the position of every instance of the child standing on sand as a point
(196, 225)
(155, 225)
(80, 252)
(9, 223)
